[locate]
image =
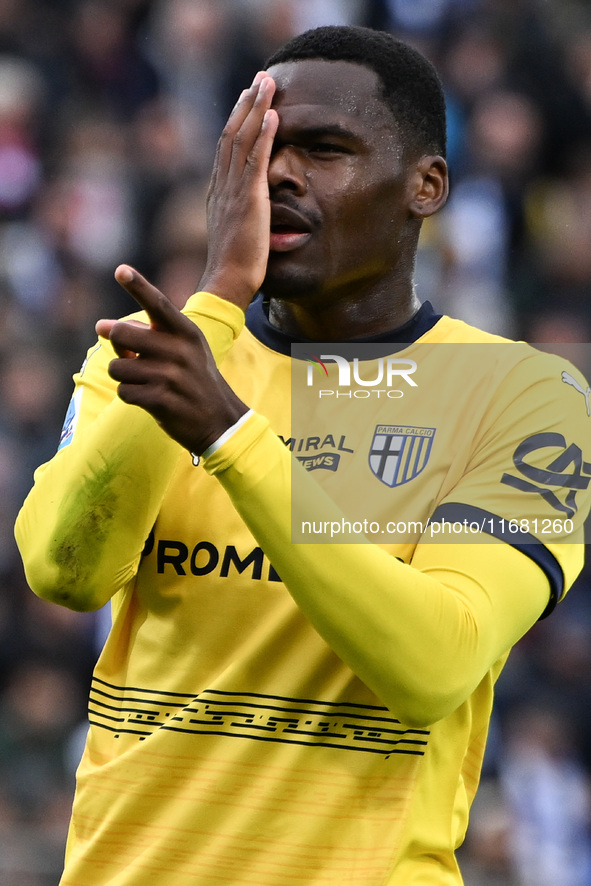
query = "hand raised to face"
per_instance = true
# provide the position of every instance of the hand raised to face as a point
(238, 207)
(167, 368)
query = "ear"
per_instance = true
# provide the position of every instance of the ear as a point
(429, 187)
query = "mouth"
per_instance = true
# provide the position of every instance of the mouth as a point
(289, 229)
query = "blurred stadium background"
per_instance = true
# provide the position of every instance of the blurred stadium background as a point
(109, 114)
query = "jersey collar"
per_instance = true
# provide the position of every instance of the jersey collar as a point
(257, 321)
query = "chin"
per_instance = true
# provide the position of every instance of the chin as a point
(287, 284)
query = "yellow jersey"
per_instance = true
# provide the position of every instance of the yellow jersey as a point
(271, 710)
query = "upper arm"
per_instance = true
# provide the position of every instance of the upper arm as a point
(528, 483)
(83, 526)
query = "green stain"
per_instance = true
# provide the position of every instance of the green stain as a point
(86, 519)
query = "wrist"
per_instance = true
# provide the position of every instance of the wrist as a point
(229, 288)
(231, 413)
(226, 435)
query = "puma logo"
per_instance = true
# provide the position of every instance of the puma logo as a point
(569, 380)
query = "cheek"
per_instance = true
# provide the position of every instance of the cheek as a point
(368, 219)
(362, 209)
(349, 206)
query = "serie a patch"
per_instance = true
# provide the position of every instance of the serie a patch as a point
(71, 420)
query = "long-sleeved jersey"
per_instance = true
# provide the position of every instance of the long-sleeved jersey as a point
(269, 710)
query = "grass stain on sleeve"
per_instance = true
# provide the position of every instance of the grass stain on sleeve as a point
(87, 518)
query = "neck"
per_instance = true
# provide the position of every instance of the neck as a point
(343, 318)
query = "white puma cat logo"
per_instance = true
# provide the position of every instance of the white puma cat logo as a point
(569, 380)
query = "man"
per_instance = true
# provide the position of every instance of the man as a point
(268, 712)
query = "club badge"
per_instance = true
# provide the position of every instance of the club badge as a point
(398, 453)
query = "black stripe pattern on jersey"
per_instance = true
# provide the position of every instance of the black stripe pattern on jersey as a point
(308, 722)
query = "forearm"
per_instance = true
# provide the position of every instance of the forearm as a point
(82, 528)
(421, 636)
(83, 525)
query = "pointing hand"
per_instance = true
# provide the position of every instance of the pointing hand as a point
(167, 368)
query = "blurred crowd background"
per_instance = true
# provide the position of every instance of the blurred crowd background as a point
(109, 115)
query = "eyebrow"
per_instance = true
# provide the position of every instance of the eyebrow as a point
(336, 130)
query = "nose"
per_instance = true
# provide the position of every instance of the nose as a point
(286, 170)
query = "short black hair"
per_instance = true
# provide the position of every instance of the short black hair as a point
(411, 87)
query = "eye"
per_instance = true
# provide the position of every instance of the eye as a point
(326, 148)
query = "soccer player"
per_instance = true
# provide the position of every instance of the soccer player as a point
(267, 712)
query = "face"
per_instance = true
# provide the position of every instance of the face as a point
(339, 183)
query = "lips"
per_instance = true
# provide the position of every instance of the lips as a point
(289, 229)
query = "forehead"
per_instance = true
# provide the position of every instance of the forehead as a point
(315, 91)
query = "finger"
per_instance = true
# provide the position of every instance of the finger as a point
(235, 121)
(261, 153)
(133, 394)
(161, 311)
(245, 102)
(129, 337)
(143, 383)
(133, 372)
(248, 103)
(103, 330)
(148, 399)
(250, 130)
(223, 150)
(123, 352)
(103, 327)
(141, 388)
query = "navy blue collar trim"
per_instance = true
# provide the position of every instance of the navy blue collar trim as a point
(257, 321)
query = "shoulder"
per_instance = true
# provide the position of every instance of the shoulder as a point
(512, 360)
(453, 331)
